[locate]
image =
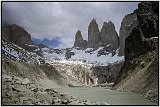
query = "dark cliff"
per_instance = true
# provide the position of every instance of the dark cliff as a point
(129, 22)
(140, 70)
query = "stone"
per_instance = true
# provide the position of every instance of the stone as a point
(65, 102)
(79, 41)
(93, 34)
(128, 23)
(68, 54)
(14, 89)
(109, 36)
(35, 90)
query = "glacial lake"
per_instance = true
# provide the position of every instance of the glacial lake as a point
(112, 97)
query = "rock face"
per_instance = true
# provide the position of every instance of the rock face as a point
(137, 44)
(129, 22)
(109, 36)
(139, 41)
(79, 42)
(16, 35)
(107, 74)
(147, 14)
(140, 70)
(93, 34)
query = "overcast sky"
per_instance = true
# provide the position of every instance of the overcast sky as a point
(59, 21)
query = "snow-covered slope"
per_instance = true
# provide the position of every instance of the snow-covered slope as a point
(89, 56)
(53, 54)
(17, 53)
(94, 58)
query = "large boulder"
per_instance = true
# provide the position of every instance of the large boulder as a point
(69, 54)
(93, 34)
(79, 41)
(109, 36)
(129, 22)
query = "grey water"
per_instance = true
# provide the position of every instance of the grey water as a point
(112, 97)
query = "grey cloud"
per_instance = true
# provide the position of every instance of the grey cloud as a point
(62, 19)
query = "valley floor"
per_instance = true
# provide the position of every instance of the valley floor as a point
(18, 91)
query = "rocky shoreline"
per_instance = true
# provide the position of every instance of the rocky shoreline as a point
(21, 91)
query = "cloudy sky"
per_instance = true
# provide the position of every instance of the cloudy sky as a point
(59, 21)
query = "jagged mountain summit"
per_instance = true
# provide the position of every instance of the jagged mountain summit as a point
(79, 41)
(104, 38)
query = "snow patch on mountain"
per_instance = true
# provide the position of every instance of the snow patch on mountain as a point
(51, 54)
(93, 58)
(17, 53)
(87, 56)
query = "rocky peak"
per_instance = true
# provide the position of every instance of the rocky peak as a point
(78, 36)
(111, 24)
(79, 41)
(16, 34)
(129, 22)
(94, 20)
(109, 35)
(93, 34)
